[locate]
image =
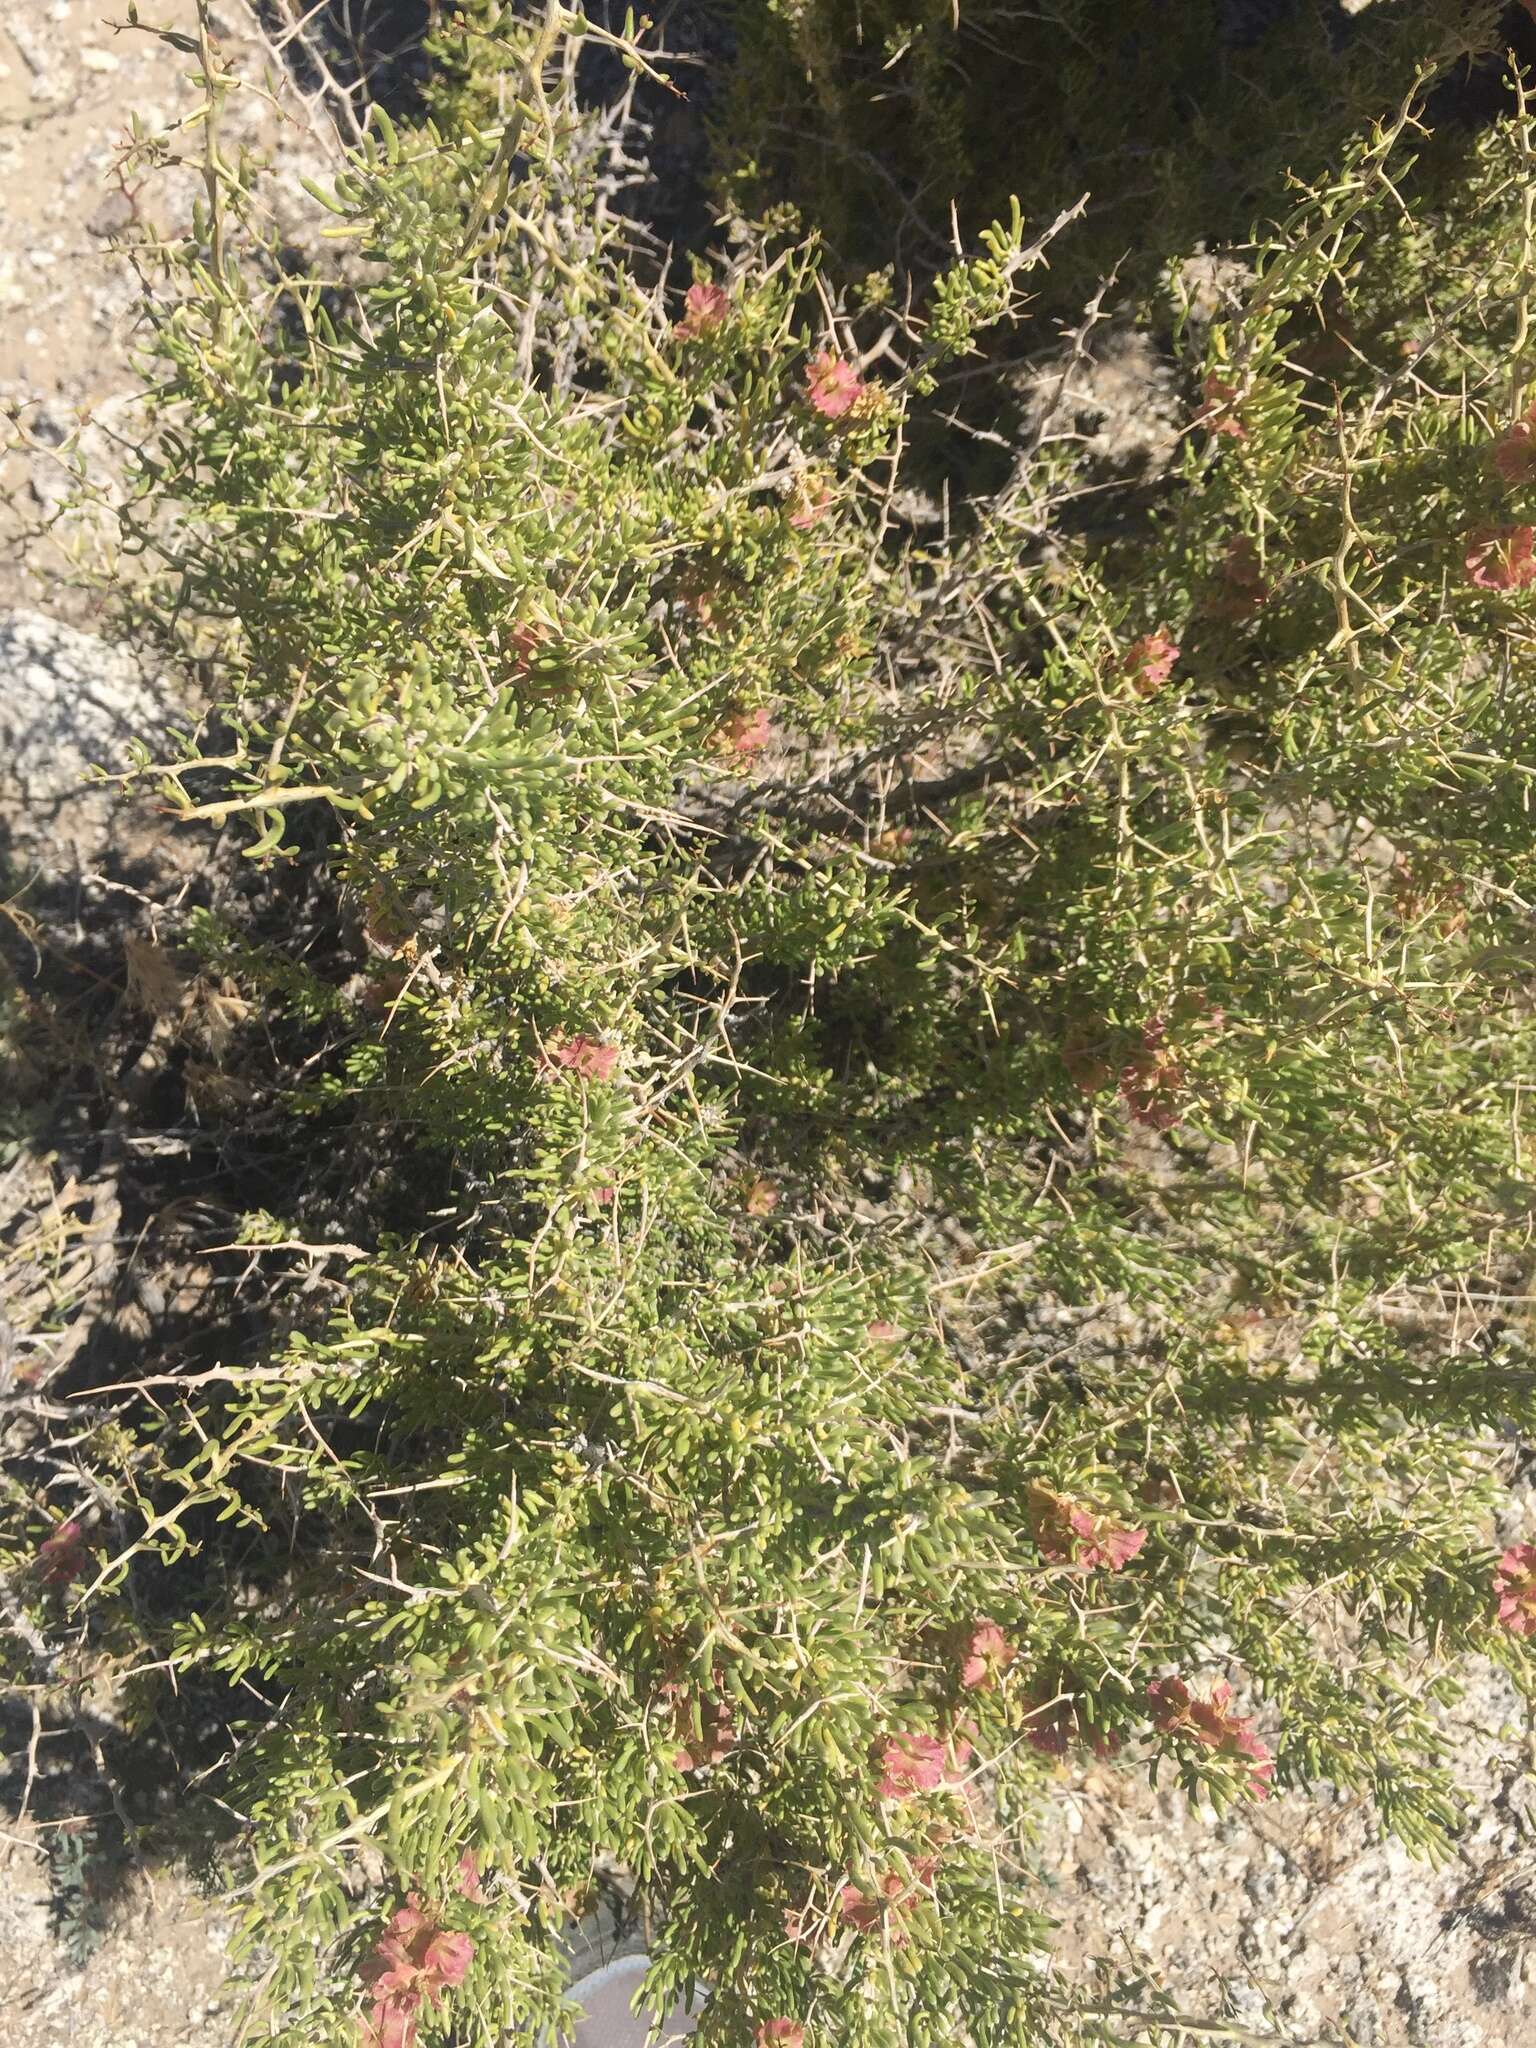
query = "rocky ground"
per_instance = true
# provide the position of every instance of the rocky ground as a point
(72, 77)
(1298, 1921)
(92, 1952)
(1290, 1923)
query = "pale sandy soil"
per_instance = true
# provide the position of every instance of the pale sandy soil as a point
(69, 83)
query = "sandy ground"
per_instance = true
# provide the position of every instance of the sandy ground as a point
(1297, 1920)
(66, 296)
(156, 1982)
(1294, 1921)
(69, 83)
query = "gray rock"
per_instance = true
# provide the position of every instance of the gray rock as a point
(70, 705)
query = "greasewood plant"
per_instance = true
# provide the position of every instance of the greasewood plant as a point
(977, 1047)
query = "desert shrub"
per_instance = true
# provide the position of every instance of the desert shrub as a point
(1181, 124)
(968, 1071)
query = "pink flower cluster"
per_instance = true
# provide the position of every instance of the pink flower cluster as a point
(1515, 1584)
(745, 733)
(808, 505)
(63, 1556)
(1152, 1081)
(1500, 558)
(587, 1057)
(1219, 414)
(1513, 455)
(1149, 662)
(988, 1653)
(411, 1964)
(1067, 1532)
(1211, 1724)
(706, 307)
(786, 2032)
(889, 1902)
(832, 385)
(910, 1764)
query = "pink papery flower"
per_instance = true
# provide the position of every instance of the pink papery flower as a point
(416, 1956)
(1052, 1729)
(1152, 1081)
(893, 1894)
(808, 506)
(706, 307)
(1218, 415)
(883, 1333)
(1499, 558)
(469, 1877)
(864, 1913)
(529, 637)
(1149, 662)
(1513, 455)
(1211, 1723)
(910, 1764)
(833, 386)
(1245, 588)
(412, 1963)
(786, 2031)
(391, 2024)
(588, 1057)
(988, 1653)
(63, 1556)
(1515, 1584)
(449, 1956)
(1067, 1532)
(746, 733)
